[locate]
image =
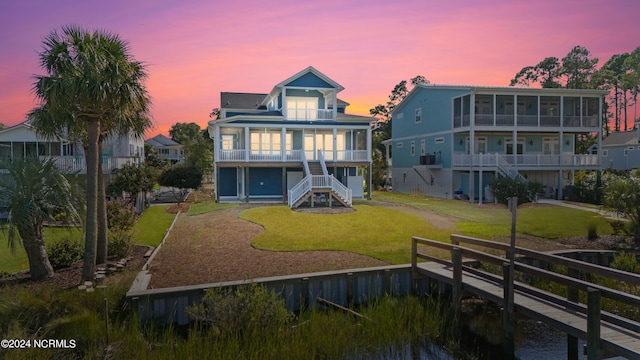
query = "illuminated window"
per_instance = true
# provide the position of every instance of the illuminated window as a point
(302, 108)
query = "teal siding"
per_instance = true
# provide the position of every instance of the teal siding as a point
(309, 80)
(437, 117)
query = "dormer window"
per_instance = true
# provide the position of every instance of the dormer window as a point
(302, 108)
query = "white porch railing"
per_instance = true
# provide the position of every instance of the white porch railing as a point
(73, 164)
(309, 114)
(298, 191)
(311, 182)
(241, 155)
(525, 160)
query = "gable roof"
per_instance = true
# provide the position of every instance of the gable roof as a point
(325, 80)
(310, 74)
(160, 141)
(622, 138)
(234, 100)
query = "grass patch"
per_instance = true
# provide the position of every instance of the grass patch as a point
(550, 222)
(149, 230)
(207, 207)
(152, 225)
(379, 232)
(10, 262)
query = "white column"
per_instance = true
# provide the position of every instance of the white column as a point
(283, 108)
(247, 143)
(283, 144)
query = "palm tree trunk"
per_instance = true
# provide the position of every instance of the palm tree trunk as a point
(39, 265)
(103, 242)
(91, 223)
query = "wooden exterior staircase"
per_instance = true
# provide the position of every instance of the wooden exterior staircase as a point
(317, 180)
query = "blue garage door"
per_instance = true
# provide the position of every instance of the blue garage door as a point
(265, 182)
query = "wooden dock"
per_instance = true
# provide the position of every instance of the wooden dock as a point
(603, 331)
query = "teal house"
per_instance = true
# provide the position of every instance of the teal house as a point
(452, 141)
(296, 144)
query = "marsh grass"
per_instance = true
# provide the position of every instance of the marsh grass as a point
(393, 325)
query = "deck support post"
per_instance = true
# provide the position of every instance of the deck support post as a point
(304, 295)
(593, 324)
(508, 318)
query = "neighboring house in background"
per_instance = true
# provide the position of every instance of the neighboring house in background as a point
(291, 144)
(452, 141)
(167, 148)
(22, 141)
(621, 150)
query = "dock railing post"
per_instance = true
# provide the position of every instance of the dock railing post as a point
(508, 321)
(456, 259)
(573, 295)
(593, 324)
(414, 265)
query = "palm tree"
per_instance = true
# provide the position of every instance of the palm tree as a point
(35, 192)
(94, 89)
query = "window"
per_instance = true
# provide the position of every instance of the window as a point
(418, 115)
(605, 152)
(519, 146)
(413, 148)
(265, 141)
(423, 147)
(550, 146)
(228, 142)
(302, 108)
(481, 145)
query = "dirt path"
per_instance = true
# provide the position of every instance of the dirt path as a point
(216, 247)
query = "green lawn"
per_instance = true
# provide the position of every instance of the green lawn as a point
(551, 222)
(380, 232)
(152, 225)
(207, 207)
(11, 263)
(384, 233)
(149, 230)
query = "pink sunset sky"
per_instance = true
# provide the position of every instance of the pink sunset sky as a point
(195, 49)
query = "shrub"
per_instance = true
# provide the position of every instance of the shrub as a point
(505, 187)
(592, 231)
(119, 244)
(121, 216)
(626, 262)
(64, 252)
(250, 307)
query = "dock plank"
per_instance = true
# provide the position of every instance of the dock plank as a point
(614, 338)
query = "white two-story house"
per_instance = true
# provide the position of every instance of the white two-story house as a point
(22, 140)
(452, 141)
(293, 144)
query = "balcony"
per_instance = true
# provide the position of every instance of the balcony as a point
(309, 114)
(77, 164)
(586, 161)
(244, 155)
(527, 121)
